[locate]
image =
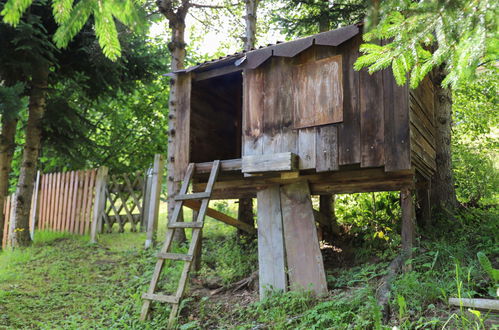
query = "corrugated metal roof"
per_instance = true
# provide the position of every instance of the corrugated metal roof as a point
(256, 57)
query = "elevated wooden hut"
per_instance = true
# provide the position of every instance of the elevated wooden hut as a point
(293, 120)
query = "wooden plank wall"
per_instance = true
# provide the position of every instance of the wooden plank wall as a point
(422, 119)
(66, 201)
(374, 130)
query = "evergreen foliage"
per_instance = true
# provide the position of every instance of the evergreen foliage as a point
(71, 19)
(459, 34)
(304, 17)
(11, 100)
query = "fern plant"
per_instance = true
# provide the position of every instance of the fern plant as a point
(491, 271)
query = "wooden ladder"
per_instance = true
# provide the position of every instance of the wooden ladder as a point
(174, 224)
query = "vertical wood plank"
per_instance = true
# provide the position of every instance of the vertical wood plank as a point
(278, 133)
(307, 148)
(371, 119)
(326, 155)
(396, 115)
(68, 192)
(89, 200)
(34, 208)
(57, 210)
(52, 200)
(303, 254)
(252, 126)
(98, 202)
(79, 202)
(271, 255)
(349, 130)
(47, 202)
(64, 183)
(153, 204)
(408, 214)
(62, 208)
(72, 221)
(182, 125)
(41, 217)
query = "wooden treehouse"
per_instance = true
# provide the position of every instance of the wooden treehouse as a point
(293, 120)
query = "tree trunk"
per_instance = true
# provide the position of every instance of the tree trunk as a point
(250, 36)
(7, 147)
(245, 214)
(176, 46)
(443, 193)
(22, 200)
(245, 205)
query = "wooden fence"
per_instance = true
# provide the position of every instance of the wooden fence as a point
(66, 201)
(90, 202)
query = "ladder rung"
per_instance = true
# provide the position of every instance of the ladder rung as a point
(201, 195)
(161, 298)
(186, 225)
(175, 256)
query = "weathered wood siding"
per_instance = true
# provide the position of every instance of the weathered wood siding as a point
(422, 131)
(316, 106)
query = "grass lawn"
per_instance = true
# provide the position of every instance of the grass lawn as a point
(63, 281)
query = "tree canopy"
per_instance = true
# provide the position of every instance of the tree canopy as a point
(461, 35)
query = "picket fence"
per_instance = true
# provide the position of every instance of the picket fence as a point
(82, 202)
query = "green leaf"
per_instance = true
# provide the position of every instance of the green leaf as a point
(13, 11)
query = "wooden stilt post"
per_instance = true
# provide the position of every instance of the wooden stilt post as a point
(408, 214)
(153, 210)
(34, 209)
(303, 254)
(326, 209)
(99, 202)
(271, 254)
(423, 195)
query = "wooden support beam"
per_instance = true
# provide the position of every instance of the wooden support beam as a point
(408, 214)
(271, 254)
(284, 161)
(196, 205)
(225, 166)
(303, 254)
(342, 182)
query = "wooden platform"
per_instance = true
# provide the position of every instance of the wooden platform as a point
(352, 179)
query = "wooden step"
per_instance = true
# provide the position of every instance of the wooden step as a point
(185, 225)
(161, 298)
(175, 256)
(201, 195)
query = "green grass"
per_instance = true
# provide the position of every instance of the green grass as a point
(63, 281)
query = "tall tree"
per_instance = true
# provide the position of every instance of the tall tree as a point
(448, 40)
(11, 102)
(176, 21)
(32, 54)
(245, 205)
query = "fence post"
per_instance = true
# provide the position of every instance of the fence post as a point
(146, 199)
(34, 208)
(99, 202)
(153, 204)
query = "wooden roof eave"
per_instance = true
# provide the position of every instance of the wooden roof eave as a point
(254, 58)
